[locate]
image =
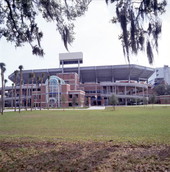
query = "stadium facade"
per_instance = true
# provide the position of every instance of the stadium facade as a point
(80, 86)
(161, 75)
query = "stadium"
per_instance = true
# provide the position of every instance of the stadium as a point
(80, 86)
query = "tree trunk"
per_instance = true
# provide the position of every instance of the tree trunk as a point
(2, 96)
(48, 93)
(20, 93)
(12, 101)
(26, 107)
(15, 97)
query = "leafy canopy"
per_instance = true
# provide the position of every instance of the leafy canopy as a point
(138, 19)
(18, 20)
(162, 89)
(140, 24)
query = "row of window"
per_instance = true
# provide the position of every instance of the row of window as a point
(92, 91)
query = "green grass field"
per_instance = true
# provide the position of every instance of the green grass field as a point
(128, 139)
(126, 124)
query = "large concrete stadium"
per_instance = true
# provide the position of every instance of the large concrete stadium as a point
(80, 86)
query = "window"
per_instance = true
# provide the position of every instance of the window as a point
(70, 96)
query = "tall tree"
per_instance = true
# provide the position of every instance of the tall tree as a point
(20, 84)
(140, 24)
(5, 81)
(26, 103)
(160, 89)
(18, 20)
(152, 99)
(15, 92)
(75, 100)
(3, 69)
(12, 95)
(63, 101)
(113, 101)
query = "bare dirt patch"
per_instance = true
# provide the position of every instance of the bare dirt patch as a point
(77, 156)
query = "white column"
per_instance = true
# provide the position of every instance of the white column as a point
(62, 66)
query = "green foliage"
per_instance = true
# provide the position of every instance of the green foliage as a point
(152, 99)
(162, 89)
(74, 100)
(145, 101)
(113, 100)
(140, 24)
(19, 24)
(18, 20)
(3, 69)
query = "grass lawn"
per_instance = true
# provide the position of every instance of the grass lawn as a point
(128, 139)
(142, 124)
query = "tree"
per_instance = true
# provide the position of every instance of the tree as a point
(26, 103)
(113, 101)
(152, 99)
(140, 25)
(168, 89)
(15, 95)
(162, 89)
(20, 84)
(3, 69)
(12, 95)
(74, 100)
(18, 20)
(145, 101)
(63, 101)
(5, 81)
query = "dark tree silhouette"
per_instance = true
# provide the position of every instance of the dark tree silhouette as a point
(138, 19)
(162, 89)
(3, 69)
(15, 89)
(140, 25)
(113, 100)
(20, 85)
(18, 20)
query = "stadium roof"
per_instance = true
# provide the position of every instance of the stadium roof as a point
(71, 58)
(96, 73)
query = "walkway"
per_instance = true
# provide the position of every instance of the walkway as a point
(96, 108)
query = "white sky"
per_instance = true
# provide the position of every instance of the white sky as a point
(95, 36)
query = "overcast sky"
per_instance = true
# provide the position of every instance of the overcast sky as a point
(95, 36)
